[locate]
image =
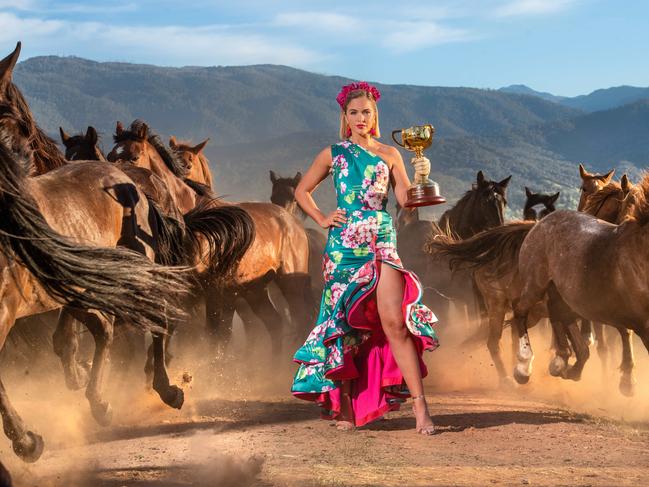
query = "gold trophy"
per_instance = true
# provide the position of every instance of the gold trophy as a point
(422, 191)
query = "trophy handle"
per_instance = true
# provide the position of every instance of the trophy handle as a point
(397, 142)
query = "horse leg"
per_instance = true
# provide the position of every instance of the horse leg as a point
(496, 314)
(582, 353)
(602, 345)
(170, 394)
(559, 364)
(219, 312)
(257, 297)
(296, 290)
(101, 329)
(587, 331)
(66, 344)
(245, 309)
(26, 444)
(627, 380)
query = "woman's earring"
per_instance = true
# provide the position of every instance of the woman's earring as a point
(349, 132)
(373, 132)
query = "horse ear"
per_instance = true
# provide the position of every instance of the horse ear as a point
(625, 183)
(608, 176)
(198, 148)
(480, 178)
(7, 65)
(119, 128)
(582, 171)
(64, 137)
(91, 135)
(273, 177)
(297, 178)
(503, 184)
(528, 193)
(553, 198)
(172, 142)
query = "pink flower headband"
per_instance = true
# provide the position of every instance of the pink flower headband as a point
(345, 90)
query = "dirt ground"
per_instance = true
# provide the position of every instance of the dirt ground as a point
(239, 426)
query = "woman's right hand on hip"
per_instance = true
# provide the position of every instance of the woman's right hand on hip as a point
(334, 219)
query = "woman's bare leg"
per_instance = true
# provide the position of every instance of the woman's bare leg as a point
(389, 295)
(346, 419)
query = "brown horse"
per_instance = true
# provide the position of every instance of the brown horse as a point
(598, 269)
(194, 160)
(97, 204)
(93, 206)
(591, 183)
(278, 253)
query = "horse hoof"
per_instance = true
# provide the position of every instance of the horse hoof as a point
(103, 413)
(521, 377)
(173, 397)
(30, 447)
(627, 387)
(557, 366)
(507, 383)
(573, 374)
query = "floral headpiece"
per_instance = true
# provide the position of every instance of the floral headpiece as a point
(362, 85)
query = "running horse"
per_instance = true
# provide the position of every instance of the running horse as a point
(480, 208)
(58, 233)
(597, 269)
(278, 253)
(99, 204)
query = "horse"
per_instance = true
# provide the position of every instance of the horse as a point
(535, 199)
(591, 183)
(279, 251)
(195, 221)
(598, 269)
(96, 204)
(480, 208)
(493, 256)
(283, 194)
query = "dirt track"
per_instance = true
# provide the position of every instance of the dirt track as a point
(237, 432)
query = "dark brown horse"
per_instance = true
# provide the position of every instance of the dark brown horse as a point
(278, 253)
(94, 207)
(480, 208)
(532, 200)
(283, 194)
(596, 268)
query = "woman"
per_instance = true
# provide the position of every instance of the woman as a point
(372, 328)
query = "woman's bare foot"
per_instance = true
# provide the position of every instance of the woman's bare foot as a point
(424, 425)
(346, 421)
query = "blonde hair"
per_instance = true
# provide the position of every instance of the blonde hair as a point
(344, 127)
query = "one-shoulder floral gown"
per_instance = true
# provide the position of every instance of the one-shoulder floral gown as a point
(348, 342)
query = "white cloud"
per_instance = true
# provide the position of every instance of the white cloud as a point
(165, 45)
(532, 7)
(411, 36)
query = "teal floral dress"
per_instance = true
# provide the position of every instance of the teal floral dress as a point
(348, 342)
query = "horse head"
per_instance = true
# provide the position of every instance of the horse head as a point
(283, 192)
(82, 147)
(536, 199)
(591, 183)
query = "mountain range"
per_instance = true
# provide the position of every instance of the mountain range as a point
(266, 117)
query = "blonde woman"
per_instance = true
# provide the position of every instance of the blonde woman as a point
(364, 356)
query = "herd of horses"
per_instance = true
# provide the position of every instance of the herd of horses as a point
(132, 239)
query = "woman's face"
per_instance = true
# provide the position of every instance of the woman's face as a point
(360, 116)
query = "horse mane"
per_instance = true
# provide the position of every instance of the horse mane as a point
(171, 158)
(638, 209)
(199, 188)
(46, 155)
(596, 200)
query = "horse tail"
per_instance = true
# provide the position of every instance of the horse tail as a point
(117, 281)
(170, 245)
(496, 248)
(228, 232)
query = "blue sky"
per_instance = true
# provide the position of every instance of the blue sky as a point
(566, 47)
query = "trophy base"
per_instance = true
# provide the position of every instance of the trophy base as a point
(424, 195)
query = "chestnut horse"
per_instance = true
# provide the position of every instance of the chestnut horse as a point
(94, 203)
(278, 253)
(96, 207)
